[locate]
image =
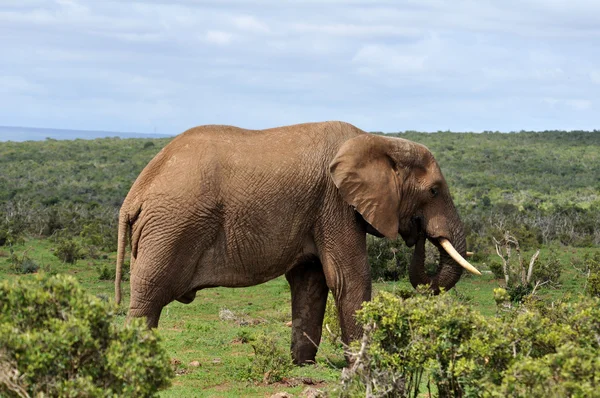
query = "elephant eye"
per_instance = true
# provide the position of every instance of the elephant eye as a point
(434, 192)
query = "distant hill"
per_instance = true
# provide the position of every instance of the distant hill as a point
(13, 133)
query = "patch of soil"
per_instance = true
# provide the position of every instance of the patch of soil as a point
(249, 322)
(299, 381)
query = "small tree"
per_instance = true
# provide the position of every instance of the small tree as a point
(68, 251)
(58, 340)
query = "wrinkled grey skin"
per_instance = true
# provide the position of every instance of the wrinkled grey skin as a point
(223, 206)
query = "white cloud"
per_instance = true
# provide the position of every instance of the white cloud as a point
(356, 30)
(548, 73)
(373, 58)
(384, 63)
(550, 101)
(218, 37)
(18, 85)
(579, 104)
(250, 23)
(417, 57)
(570, 104)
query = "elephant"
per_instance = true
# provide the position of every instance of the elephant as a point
(225, 206)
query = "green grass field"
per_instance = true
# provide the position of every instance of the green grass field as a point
(210, 353)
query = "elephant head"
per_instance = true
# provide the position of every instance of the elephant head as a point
(398, 187)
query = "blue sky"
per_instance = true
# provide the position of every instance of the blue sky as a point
(164, 66)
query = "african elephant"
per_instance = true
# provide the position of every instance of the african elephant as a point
(224, 206)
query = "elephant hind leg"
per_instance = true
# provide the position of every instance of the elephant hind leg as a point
(151, 315)
(309, 298)
(148, 295)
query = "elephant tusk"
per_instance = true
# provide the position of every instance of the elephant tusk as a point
(470, 254)
(457, 257)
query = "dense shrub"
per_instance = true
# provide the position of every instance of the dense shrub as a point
(57, 340)
(548, 269)
(68, 251)
(534, 350)
(496, 269)
(570, 372)
(270, 363)
(13, 225)
(389, 260)
(22, 264)
(424, 339)
(107, 272)
(592, 265)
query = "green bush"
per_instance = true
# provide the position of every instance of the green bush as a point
(270, 363)
(570, 372)
(592, 265)
(548, 269)
(331, 322)
(22, 264)
(423, 340)
(57, 340)
(389, 260)
(436, 343)
(106, 273)
(480, 245)
(13, 224)
(519, 292)
(496, 269)
(68, 251)
(99, 234)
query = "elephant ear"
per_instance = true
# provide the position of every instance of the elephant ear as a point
(367, 178)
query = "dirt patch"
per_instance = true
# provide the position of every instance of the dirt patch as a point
(299, 381)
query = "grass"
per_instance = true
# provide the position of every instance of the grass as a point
(210, 355)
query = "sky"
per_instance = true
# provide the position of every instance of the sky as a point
(162, 67)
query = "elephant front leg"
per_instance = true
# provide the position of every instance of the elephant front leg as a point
(309, 298)
(349, 297)
(348, 276)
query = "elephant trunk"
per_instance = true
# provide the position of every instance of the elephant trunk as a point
(416, 272)
(448, 271)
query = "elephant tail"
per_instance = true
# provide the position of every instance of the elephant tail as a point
(122, 242)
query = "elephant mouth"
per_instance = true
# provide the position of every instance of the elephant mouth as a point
(415, 231)
(451, 262)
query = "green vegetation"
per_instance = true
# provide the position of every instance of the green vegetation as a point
(58, 340)
(271, 361)
(59, 202)
(542, 186)
(592, 268)
(535, 351)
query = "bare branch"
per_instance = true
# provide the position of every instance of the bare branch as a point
(531, 262)
(538, 284)
(504, 261)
